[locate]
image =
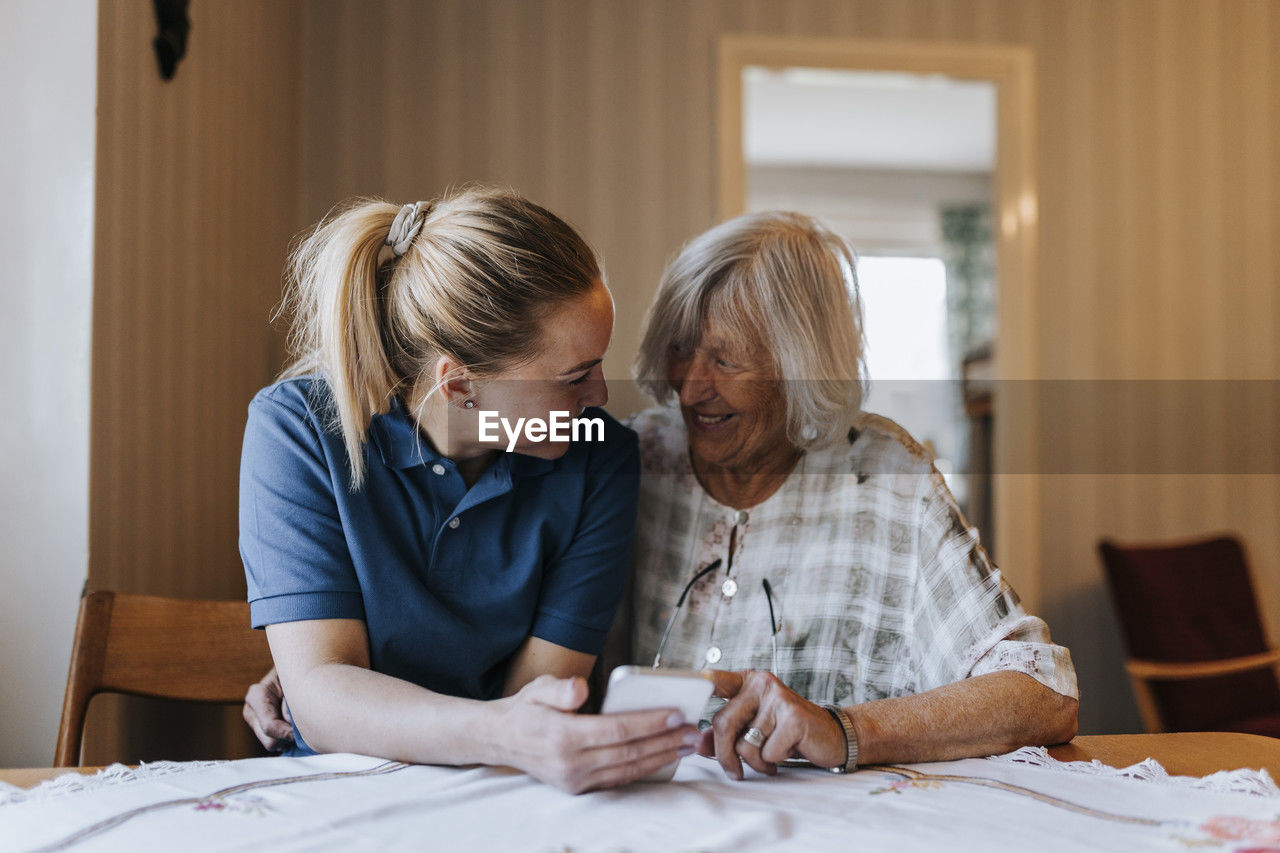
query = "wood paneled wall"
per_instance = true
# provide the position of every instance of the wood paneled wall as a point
(198, 193)
(1159, 153)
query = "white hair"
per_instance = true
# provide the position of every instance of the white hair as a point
(782, 278)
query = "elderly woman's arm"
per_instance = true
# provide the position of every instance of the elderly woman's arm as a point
(987, 714)
(983, 715)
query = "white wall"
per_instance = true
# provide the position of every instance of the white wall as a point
(48, 91)
(880, 212)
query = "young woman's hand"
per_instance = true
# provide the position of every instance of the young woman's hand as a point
(546, 738)
(264, 712)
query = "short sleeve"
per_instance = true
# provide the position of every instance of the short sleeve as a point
(967, 620)
(1027, 648)
(583, 586)
(296, 561)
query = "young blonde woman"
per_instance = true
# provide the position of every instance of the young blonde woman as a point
(429, 596)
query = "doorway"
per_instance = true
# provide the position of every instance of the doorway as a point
(900, 165)
(920, 155)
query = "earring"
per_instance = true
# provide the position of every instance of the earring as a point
(469, 404)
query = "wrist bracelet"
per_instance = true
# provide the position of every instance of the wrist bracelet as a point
(850, 740)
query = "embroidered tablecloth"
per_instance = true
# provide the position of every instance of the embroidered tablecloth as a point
(1025, 801)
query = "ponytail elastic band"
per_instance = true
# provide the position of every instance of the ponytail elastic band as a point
(406, 226)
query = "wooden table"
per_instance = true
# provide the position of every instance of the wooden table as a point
(29, 777)
(1181, 753)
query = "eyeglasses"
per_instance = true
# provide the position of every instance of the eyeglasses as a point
(775, 624)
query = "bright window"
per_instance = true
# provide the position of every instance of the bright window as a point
(904, 303)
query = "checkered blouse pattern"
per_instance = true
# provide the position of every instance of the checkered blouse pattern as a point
(880, 586)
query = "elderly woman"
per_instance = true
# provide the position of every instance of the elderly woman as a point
(807, 551)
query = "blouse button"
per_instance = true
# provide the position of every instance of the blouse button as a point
(713, 655)
(454, 522)
(438, 469)
(740, 517)
(729, 588)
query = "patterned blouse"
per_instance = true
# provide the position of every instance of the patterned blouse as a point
(877, 585)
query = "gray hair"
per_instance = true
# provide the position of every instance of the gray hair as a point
(780, 277)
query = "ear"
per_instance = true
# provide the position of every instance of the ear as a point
(454, 381)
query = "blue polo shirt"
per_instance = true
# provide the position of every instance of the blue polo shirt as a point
(449, 581)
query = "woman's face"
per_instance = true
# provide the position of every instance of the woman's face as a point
(566, 376)
(731, 399)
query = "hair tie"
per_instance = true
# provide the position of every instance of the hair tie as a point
(407, 224)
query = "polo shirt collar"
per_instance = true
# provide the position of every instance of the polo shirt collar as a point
(397, 439)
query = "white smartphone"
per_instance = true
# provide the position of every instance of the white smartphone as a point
(639, 688)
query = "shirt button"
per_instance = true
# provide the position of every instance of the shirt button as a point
(713, 655)
(437, 469)
(729, 588)
(454, 522)
(740, 517)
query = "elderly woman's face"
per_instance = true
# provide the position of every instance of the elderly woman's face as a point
(731, 400)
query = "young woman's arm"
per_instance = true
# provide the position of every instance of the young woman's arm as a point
(542, 657)
(340, 705)
(264, 702)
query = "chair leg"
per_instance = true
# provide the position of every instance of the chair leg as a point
(84, 674)
(1147, 706)
(70, 732)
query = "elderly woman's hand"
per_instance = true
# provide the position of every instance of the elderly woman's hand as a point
(264, 711)
(790, 725)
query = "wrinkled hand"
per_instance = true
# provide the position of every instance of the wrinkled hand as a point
(576, 753)
(792, 726)
(264, 711)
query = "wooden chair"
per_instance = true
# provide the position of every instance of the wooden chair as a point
(1198, 656)
(144, 645)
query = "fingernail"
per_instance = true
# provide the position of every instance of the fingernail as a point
(676, 720)
(684, 751)
(692, 739)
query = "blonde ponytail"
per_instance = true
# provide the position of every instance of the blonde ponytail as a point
(474, 280)
(333, 277)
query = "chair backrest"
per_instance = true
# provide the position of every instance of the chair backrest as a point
(1192, 602)
(145, 645)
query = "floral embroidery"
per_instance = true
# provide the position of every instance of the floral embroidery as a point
(1232, 828)
(1220, 829)
(255, 806)
(902, 784)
